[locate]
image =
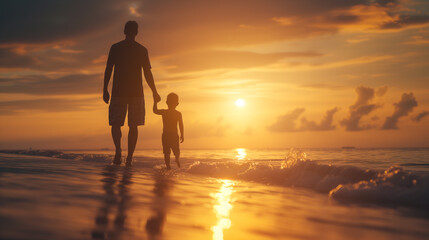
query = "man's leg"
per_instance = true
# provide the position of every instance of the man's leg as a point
(116, 135)
(132, 141)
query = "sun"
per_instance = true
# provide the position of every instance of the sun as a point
(240, 103)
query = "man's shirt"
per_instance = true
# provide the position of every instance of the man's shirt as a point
(128, 57)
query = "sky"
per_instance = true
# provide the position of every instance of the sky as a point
(312, 73)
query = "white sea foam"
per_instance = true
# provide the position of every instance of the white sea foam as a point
(395, 186)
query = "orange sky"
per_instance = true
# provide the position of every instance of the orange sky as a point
(312, 73)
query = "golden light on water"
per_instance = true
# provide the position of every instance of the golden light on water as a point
(241, 153)
(240, 103)
(222, 208)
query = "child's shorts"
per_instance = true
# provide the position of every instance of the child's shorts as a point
(170, 141)
(118, 110)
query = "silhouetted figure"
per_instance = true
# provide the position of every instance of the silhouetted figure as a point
(170, 118)
(128, 57)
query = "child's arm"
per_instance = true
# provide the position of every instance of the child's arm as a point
(155, 108)
(182, 136)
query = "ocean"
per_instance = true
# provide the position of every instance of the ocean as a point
(216, 194)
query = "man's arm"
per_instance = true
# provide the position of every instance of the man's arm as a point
(107, 75)
(149, 79)
(182, 133)
(155, 108)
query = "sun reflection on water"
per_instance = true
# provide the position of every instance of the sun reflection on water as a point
(222, 208)
(241, 153)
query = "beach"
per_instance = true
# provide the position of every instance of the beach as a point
(293, 120)
(79, 195)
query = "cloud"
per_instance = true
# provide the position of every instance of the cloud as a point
(208, 60)
(197, 24)
(47, 105)
(420, 116)
(43, 85)
(286, 123)
(58, 57)
(319, 86)
(195, 32)
(417, 40)
(365, 94)
(381, 91)
(361, 108)
(402, 108)
(324, 125)
(249, 22)
(296, 66)
(228, 30)
(11, 59)
(404, 21)
(386, 2)
(374, 17)
(49, 21)
(357, 40)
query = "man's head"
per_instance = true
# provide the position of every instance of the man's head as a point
(131, 28)
(172, 100)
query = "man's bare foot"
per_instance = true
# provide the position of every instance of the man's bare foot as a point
(178, 163)
(117, 160)
(168, 167)
(129, 162)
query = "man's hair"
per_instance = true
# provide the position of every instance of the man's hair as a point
(131, 28)
(172, 98)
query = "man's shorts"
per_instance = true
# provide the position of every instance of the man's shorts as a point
(170, 141)
(118, 110)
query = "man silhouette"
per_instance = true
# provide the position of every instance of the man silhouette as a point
(128, 57)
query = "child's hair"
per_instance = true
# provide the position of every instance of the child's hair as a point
(172, 98)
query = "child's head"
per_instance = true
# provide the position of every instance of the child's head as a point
(172, 100)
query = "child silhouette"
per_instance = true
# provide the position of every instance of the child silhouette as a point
(170, 118)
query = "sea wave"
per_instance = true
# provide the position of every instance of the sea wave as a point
(392, 187)
(62, 155)
(395, 186)
(349, 184)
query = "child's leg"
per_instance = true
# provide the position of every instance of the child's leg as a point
(166, 150)
(176, 149)
(167, 160)
(177, 155)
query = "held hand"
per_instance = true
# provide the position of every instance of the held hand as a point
(182, 139)
(156, 97)
(106, 96)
